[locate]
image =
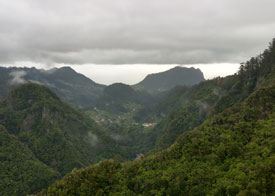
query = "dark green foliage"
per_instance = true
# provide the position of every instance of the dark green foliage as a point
(167, 80)
(132, 139)
(255, 73)
(58, 135)
(20, 171)
(231, 154)
(225, 144)
(189, 107)
(186, 108)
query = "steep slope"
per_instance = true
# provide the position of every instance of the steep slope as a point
(166, 80)
(20, 172)
(191, 106)
(70, 86)
(233, 153)
(257, 72)
(57, 134)
(186, 108)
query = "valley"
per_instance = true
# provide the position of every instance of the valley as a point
(137, 98)
(205, 137)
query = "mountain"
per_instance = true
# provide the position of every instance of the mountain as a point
(231, 153)
(121, 98)
(119, 92)
(78, 90)
(51, 136)
(164, 81)
(185, 108)
(70, 86)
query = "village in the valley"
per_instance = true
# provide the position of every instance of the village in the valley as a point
(103, 117)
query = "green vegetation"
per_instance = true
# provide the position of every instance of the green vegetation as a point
(221, 131)
(187, 107)
(117, 97)
(56, 134)
(131, 136)
(20, 171)
(233, 153)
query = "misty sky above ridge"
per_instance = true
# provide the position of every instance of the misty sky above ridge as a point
(87, 34)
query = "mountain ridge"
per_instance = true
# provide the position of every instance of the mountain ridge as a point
(70, 86)
(231, 153)
(166, 80)
(210, 154)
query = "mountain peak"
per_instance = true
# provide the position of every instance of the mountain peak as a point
(70, 86)
(169, 79)
(67, 69)
(27, 94)
(119, 91)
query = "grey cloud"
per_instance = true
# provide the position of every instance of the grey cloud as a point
(136, 31)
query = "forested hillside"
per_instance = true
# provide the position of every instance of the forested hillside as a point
(55, 138)
(20, 171)
(118, 98)
(185, 108)
(231, 153)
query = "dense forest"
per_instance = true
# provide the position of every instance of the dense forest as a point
(231, 153)
(213, 138)
(44, 138)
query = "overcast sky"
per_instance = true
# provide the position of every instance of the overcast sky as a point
(108, 34)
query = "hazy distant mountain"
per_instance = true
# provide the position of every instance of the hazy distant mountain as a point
(117, 96)
(119, 92)
(70, 86)
(166, 80)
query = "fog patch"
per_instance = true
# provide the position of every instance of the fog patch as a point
(92, 139)
(202, 105)
(17, 77)
(217, 92)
